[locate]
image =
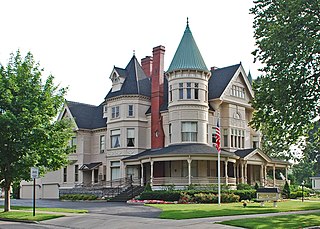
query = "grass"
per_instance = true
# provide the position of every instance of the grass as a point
(25, 213)
(189, 211)
(28, 216)
(286, 221)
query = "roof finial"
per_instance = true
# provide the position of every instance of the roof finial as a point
(134, 52)
(187, 21)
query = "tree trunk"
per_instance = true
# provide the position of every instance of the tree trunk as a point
(7, 198)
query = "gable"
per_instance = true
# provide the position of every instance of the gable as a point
(238, 87)
(257, 155)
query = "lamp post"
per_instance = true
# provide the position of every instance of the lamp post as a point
(302, 184)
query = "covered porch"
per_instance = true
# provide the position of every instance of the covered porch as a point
(181, 166)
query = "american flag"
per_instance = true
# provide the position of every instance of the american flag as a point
(218, 145)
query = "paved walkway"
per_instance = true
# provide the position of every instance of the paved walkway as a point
(120, 215)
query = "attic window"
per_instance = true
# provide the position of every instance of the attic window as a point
(238, 91)
(115, 78)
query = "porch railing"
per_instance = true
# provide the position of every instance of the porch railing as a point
(183, 181)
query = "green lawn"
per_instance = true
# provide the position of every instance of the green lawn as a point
(189, 211)
(28, 216)
(286, 221)
(25, 213)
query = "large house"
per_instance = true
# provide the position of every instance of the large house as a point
(159, 127)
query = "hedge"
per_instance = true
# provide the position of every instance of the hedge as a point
(160, 195)
(78, 197)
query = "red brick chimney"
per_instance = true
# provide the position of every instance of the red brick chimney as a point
(157, 133)
(146, 64)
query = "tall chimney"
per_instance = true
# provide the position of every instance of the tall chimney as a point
(157, 133)
(146, 64)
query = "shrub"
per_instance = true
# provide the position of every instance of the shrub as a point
(186, 198)
(147, 188)
(160, 195)
(229, 198)
(243, 186)
(286, 190)
(245, 194)
(78, 197)
(205, 198)
(256, 186)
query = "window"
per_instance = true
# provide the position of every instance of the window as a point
(170, 132)
(188, 90)
(130, 110)
(115, 170)
(115, 138)
(65, 174)
(238, 91)
(180, 90)
(130, 137)
(255, 142)
(76, 173)
(73, 144)
(102, 143)
(170, 93)
(214, 140)
(237, 138)
(115, 112)
(196, 91)
(225, 137)
(189, 131)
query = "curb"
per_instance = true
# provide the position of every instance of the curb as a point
(19, 220)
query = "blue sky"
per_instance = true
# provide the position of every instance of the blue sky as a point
(79, 42)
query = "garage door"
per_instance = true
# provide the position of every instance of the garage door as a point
(26, 192)
(50, 191)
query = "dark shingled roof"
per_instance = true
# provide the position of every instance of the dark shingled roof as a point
(135, 83)
(243, 152)
(90, 166)
(219, 80)
(180, 149)
(87, 116)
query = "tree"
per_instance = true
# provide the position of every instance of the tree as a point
(286, 190)
(29, 134)
(287, 94)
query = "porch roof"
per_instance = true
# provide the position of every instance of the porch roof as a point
(180, 150)
(90, 166)
(247, 153)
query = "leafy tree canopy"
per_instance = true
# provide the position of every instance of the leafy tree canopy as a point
(29, 134)
(287, 95)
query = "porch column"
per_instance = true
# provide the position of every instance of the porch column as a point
(226, 170)
(142, 174)
(286, 173)
(238, 173)
(189, 170)
(242, 178)
(151, 173)
(92, 176)
(265, 175)
(261, 175)
(274, 175)
(246, 173)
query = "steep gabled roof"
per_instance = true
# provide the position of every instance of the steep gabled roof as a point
(220, 79)
(187, 56)
(135, 83)
(87, 116)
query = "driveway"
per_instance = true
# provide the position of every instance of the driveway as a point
(106, 215)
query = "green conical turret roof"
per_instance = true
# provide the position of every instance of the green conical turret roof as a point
(187, 55)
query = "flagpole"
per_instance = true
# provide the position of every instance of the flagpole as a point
(219, 184)
(218, 146)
